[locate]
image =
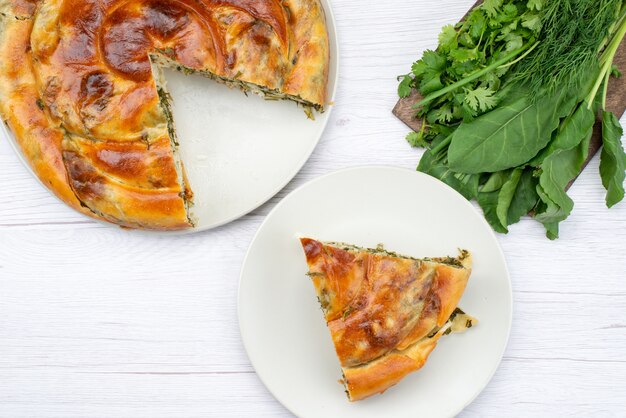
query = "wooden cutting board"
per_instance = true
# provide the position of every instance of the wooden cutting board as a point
(615, 102)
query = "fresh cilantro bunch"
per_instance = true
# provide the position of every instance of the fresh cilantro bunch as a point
(490, 32)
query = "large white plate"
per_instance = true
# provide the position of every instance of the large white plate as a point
(282, 326)
(239, 150)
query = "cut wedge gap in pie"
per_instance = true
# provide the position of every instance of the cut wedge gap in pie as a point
(385, 312)
(81, 88)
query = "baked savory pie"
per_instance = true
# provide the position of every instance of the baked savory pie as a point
(385, 312)
(81, 89)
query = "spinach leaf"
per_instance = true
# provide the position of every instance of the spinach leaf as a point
(552, 230)
(505, 197)
(495, 181)
(572, 131)
(548, 213)
(509, 135)
(525, 198)
(516, 196)
(489, 204)
(436, 166)
(557, 170)
(612, 159)
(469, 183)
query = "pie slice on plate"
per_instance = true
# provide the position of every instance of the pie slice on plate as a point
(385, 312)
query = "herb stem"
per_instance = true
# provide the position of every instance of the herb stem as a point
(614, 28)
(521, 57)
(441, 145)
(606, 88)
(619, 22)
(470, 78)
(606, 62)
(614, 44)
(423, 127)
(606, 67)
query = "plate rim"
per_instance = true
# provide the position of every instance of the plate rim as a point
(285, 403)
(333, 38)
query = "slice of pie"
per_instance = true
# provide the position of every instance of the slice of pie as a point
(385, 312)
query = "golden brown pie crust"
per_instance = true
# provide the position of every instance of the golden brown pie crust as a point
(385, 312)
(80, 88)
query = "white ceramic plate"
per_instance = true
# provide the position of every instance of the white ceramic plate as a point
(282, 326)
(239, 150)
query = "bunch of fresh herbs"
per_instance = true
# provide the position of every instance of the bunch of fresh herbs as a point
(510, 98)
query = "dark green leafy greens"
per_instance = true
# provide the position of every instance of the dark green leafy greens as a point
(508, 136)
(510, 98)
(488, 201)
(612, 159)
(436, 166)
(524, 199)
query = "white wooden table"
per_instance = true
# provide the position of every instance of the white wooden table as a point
(97, 321)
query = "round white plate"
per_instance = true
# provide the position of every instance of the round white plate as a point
(239, 150)
(284, 331)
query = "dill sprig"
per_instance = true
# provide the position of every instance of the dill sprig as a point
(572, 36)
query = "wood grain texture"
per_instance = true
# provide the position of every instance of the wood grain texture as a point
(97, 321)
